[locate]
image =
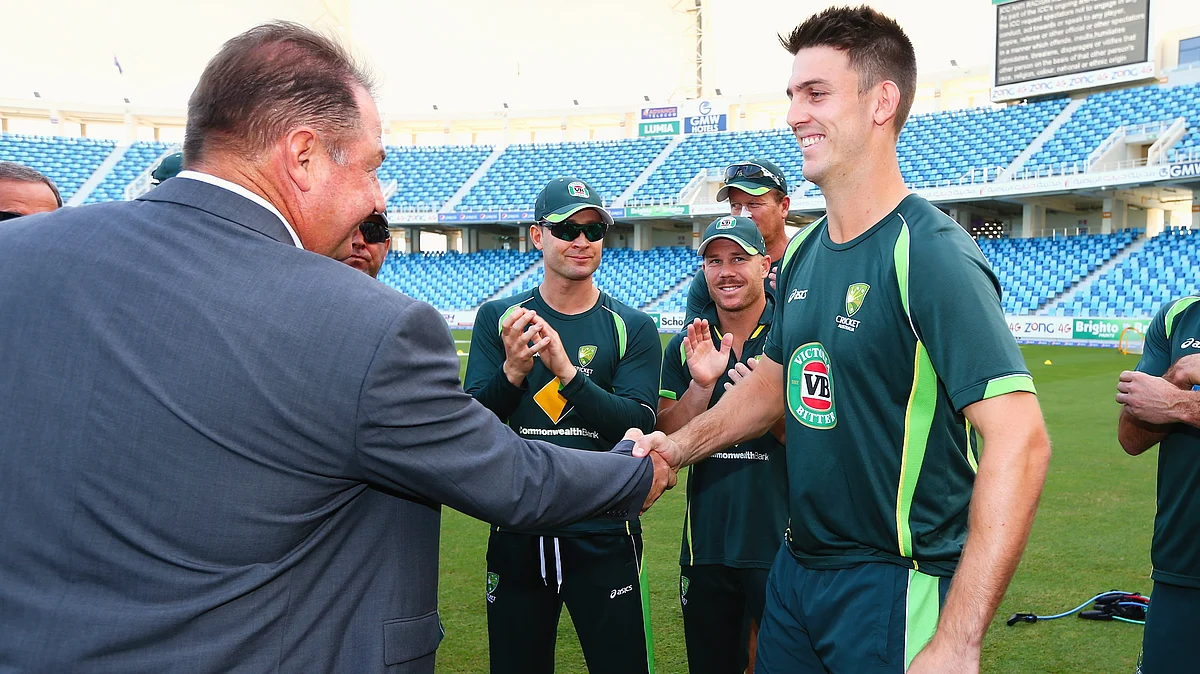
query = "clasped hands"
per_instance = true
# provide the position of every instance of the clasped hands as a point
(1155, 400)
(525, 334)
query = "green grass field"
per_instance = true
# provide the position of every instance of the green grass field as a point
(1092, 534)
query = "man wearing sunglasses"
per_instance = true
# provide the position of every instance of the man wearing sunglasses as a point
(369, 245)
(24, 191)
(756, 189)
(568, 364)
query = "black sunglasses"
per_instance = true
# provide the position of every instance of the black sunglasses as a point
(568, 231)
(751, 171)
(375, 228)
(8, 215)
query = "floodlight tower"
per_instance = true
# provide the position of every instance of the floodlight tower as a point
(697, 18)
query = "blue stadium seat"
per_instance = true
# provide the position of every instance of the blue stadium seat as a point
(1033, 271)
(522, 170)
(1102, 113)
(69, 162)
(140, 156)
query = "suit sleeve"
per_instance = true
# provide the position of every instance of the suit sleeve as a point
(1156, 352)
(634, 397)
(485, 379)
(954, 300)
(698, 297)
(419, 433)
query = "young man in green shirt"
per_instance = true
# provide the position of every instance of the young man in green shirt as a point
(736, 500)
(568, 364)
(756, 189)
(890, 356)
(1161, 407)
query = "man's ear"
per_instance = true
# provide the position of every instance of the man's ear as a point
(887, 103)
(766, 265)
(535, 236)
(299, 151)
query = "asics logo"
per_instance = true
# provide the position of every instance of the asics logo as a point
(617, 593)
(798, 295)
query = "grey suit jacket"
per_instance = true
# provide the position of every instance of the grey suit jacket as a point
(222, 453)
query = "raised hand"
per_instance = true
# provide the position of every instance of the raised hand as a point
(521, 335)
(706, 362)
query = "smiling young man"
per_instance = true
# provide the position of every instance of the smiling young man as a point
(890, 356)
(736, 500)
(568, 364)
(756, 189)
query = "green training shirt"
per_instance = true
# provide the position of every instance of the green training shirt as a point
(615, 348)
(1175, 552)
(736, 499)
(884, 340)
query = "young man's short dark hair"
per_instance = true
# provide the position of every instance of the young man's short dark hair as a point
(876, 45)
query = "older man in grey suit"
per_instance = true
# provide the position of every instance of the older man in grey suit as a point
(223, 451)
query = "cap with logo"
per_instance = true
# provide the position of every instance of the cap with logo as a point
(169, 167)
(738, 229)
(566, 196)
(753, 176)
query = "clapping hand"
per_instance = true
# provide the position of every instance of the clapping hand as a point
(706, 362)
(521, 335)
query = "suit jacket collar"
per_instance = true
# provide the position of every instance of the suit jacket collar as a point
(221, 203)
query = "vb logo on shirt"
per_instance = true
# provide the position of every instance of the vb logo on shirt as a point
(810, 387)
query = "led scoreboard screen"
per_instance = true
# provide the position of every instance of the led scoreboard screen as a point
(1051, 40)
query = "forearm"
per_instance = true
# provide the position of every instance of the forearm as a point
(1187, 409)
(746, 411)
(690, 405)
(1007, 488)
(1135, 435)
(608, 414)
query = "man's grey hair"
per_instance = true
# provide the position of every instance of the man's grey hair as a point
(10, 170)
(269, 80)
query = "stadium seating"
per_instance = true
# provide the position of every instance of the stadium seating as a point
(718, 150)
(69, 162)
(1167, 267)
(141, 156)
(944, 147)
(637, 278)
(451, 281)
(934, 148)
(522, 170)
(427, 176)
(1068, 149)
(1033, 271)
